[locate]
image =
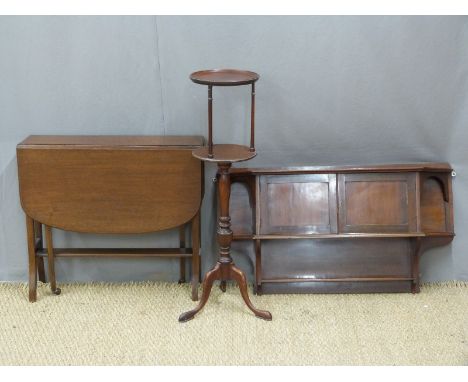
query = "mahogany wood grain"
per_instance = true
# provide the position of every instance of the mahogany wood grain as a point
(119, 252)
(182, 259)
(387, 217)
(408, 167)
(383, 202)
(336, 235)
(415, 255)
(109, 191)
(112, 142)
(224, 77)
(364, 204)
(303, 204)
(337, 258)
(109, 184)
(210, 121)
(433, 206)
(32, 273)
(225, 268)
(348, 279)
(224, 153)
(241, 208)
(334, 287)
(252, 118)
(51, 261)
(258, 266)
(196, 244)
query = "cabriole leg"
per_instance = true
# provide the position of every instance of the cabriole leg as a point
(210, 277)
(239, 276)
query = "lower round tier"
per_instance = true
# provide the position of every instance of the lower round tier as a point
(227, 153)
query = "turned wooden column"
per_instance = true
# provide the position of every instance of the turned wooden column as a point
(224, 233)
(224, 221)
(225, 268)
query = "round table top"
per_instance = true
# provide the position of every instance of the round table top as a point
(224, 77)
(224, 153)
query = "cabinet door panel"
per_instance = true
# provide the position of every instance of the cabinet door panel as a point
(377, 203)
(298, 204)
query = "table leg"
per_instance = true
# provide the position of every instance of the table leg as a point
(41, 269)
(40, 245)
(210, 277)
(182, 259)
(51, 260)
(239, 276)
(32, 259)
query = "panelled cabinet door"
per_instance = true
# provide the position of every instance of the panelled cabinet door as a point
(298, 204)
(377, 202)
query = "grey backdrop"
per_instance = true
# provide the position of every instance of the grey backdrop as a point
(333, 90)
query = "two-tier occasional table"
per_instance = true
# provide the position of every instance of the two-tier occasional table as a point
(224, 155)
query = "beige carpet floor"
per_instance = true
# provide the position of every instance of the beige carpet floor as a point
(136, 324)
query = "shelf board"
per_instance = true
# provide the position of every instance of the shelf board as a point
(397, 167)
(345, 279)
(331, 236)
(440, 234)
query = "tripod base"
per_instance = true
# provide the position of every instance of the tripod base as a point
(224, 271)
